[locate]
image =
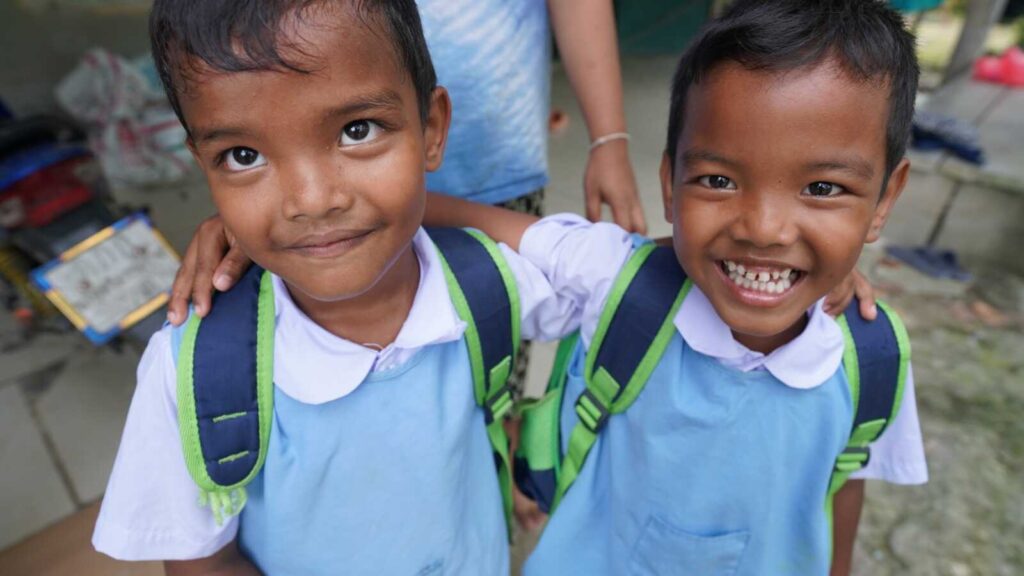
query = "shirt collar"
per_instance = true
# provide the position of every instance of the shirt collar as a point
(314, 366)
(805, 362)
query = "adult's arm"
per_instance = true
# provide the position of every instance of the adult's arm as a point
(585, 33)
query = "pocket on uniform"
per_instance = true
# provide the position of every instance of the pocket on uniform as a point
(664, 550)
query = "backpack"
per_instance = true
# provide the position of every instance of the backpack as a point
(225, 386)
(635, 328)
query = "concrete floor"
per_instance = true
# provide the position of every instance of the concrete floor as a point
(63, 402)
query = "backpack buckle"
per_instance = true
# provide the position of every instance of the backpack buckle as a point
(498, 404)
(853, 458)
(591, 411)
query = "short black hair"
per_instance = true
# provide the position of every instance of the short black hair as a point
(868, 39)
(243, 36)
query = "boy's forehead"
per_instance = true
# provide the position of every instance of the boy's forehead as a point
(316, 38)
(343, 58)
(736, 104)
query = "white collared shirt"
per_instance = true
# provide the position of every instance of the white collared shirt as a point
(581, 260)
(312, 366)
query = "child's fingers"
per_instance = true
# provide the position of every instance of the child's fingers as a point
(840, 297)
(866, 294)
(211, 245)
(181, 289)
(232, 268)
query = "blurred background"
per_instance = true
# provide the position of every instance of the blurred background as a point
(90, 151)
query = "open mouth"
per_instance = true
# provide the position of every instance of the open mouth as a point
(761, 279)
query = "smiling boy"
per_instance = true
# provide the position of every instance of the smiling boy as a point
(326, 417)
(723, 450)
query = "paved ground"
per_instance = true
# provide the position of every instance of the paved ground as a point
(62, 402)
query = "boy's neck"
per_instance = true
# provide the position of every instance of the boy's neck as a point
(374, 318)
(768, 344)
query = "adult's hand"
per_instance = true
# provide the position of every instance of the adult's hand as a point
(609, 180)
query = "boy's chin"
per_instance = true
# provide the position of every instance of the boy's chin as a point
(768, 327)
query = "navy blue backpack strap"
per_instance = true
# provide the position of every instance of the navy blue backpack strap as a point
(635, 328)
(225, 391)
(876, 357)
(483, 290)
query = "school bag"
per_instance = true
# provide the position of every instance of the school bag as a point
(635, 328)
(225, 387)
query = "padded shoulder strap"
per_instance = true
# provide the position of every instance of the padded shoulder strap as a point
(225, 391)
(476, 271)
(484, 293)
(875, 359)
(635, 327)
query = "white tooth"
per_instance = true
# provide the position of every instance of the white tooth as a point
(730, 265)
(773, 288)
(752, 275)
(775, 274)
(786, 284)
(786, 273)
(737, 279)
(763, 286)
(746, 283)
(764, 276)
(741, 269)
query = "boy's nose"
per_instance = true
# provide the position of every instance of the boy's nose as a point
(314, 189)
(764, 222)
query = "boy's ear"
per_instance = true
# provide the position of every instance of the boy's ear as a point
(666, 187)
(435, 131)
(893, 189)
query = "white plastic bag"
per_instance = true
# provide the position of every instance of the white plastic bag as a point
(132, 129)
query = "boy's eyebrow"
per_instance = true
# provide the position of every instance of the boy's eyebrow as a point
(385, 98)
(203, 135)
(692, 155)
(854, 165)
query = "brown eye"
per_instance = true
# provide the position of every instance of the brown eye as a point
(823, 189)
(359, 132)
(242, 158)
(717, 182)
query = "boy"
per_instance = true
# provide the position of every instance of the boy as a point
(788, 121)
(314, 124)
(784, 156)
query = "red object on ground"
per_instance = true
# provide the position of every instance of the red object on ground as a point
(39, 198)
(1013, 66)
(988, 68)
(1007, 69)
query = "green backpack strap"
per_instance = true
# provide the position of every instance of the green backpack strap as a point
(876, 356)
(538, 457)
(476, 272)
(225, 391)
(635, 328)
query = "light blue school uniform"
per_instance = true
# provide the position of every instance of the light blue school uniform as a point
(661, 491)
(395, 478)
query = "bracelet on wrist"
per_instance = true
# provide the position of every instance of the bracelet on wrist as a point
(601, 141)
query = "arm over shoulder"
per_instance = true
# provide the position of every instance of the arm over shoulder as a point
(898, 455)
(580, 261)
(150, 510)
